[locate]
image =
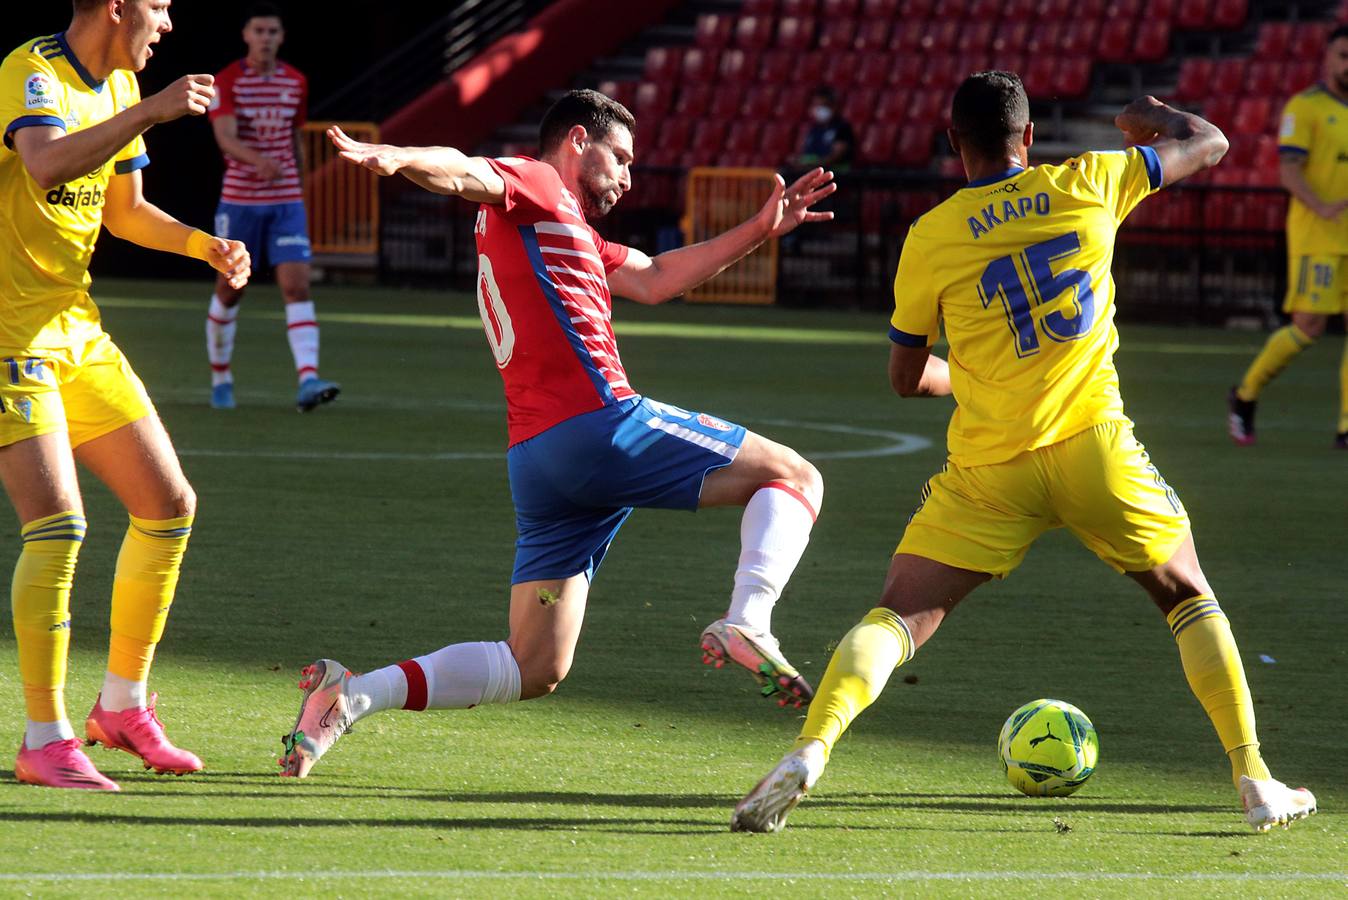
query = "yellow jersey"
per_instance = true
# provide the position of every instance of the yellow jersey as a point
(47, 236)
(1016, 269)
(1315, 126)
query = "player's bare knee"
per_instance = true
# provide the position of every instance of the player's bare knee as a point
(798, 472)
(293, 293)
(1312, 326)
(541, 680)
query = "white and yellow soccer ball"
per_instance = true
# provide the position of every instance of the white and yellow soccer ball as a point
(1048, 748)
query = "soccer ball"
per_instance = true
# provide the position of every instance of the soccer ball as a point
(1048, 748)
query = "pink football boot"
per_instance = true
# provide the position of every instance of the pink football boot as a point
(60, 764)
(140, 733)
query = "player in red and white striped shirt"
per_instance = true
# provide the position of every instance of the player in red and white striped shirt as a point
(585, 448)
(260, 104)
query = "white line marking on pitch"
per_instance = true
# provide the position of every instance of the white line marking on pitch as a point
(897, 444)
(329, 876)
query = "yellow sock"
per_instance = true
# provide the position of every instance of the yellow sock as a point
(142, 591)
(1343, 390)
(856, 675)
(40, 599)
(1217, 678)
(1280, 349)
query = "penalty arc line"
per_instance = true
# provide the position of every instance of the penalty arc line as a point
(328, 876)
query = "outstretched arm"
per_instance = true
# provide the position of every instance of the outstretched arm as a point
(443, 170)
(1185, 143)
(129, 216)
(648, 279)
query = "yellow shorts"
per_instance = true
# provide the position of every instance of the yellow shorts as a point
(1316, 284)
(1098, 483)
(88, 390)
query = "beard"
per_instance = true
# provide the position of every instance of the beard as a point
(594, 195)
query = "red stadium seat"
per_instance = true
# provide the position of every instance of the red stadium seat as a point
(1220, 109)
(1116, 40)
(887, 10)
(713, 31)
(1153, 41)
(1273, 41)
(726, 100)
(743, 137)
(1308, 42)
(1011, 37)
(906, 71)
(1265, 161)
(877, 144)
(1241, 154)
(892, 105)
(1195, 79)
(1160, 10)
(753, 32)
(837, 35)
(793, 103)
(969, 63)
(776, 66)
(940, 37)
(798, 7)
(859, 106)
(654, 99)
(1012, 62)
(1228, 77)
(1044, 39)
(913, 149)
(709, 136)
(759, 8)
(873, 70)
(954, 10)
(916, 9)
(1229, 14)
(907, 36)
(929, 106)
(625, 92)
(1298, 76)
(942, 72)
(1072, 78)
(1192, 14)
(777, 142)
(1262, 77)
(663, 63)
(675, 134)
(1122, 9)
(694, 101)
(808, 68)
(699, 65)
(984, 11)
(1039, 76)
(840, 69)
(873, 35)
(1019, 10)
(1080, 38)
(760, 102)
(836, 9)
(1054, 10)
(738, 65)
(975, 37)
(795, 34)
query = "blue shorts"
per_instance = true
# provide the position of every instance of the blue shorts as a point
(274, 233)
(575, 484)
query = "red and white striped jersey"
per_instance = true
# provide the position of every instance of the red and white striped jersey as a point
(542, 291)
(268, 109)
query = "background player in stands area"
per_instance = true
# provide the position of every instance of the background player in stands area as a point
(73, 151)
(585, 448)
(1313, 144)
(259, 106)
(1039, 439)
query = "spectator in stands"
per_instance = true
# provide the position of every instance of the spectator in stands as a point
(830, 142)
(1312, 143)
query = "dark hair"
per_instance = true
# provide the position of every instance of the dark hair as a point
(823, 90)
(593, 111)
(990, 112)
(263, 11)
(1340, 31)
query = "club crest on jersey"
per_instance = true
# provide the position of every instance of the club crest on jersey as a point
(24, 408)
(712, 422)
(37, 91)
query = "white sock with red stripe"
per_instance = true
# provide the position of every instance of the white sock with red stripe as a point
(773, 534)
(302, 330)
(220, 327)
(459, 676)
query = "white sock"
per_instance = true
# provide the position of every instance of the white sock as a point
(459, 676)
(37, 735)
(773, 534)
(220, 327)
(121, 693)
(302, 330)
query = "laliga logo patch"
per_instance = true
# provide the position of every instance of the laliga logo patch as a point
(707, 421)
(37, 91)
(24, 407)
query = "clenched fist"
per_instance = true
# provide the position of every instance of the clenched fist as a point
(190, 95)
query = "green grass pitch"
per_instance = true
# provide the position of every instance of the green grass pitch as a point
(381, 528)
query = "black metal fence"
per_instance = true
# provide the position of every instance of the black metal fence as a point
(1196, 253)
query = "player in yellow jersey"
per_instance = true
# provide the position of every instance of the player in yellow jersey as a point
(1016, 268)
(1313, 145)
(70, 163)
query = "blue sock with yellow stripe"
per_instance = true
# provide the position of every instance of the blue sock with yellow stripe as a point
(40, 601)
(1212, 666)
(142, 591)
